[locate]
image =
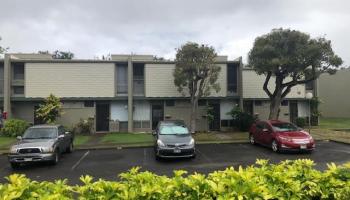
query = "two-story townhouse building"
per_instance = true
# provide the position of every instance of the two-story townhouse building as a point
(130, 92)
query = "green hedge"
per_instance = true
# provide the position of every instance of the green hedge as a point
(287, 180)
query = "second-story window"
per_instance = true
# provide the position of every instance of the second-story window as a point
(122, 79)
(18, 71)
(139, 78)
(232, 79)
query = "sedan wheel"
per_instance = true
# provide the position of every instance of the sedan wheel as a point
(251, 139)
(274, 146)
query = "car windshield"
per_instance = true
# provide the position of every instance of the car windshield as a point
(284, 127)
(173, 130)
(40, 133)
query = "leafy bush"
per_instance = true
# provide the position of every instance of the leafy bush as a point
(84, 127)
(14, 127)
(50, 110)
(288, 180)
(301, 122)
(241, 120)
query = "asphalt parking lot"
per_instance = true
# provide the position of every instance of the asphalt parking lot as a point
(107, 164)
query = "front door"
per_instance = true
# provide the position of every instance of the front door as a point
(215, 123)
(248, 107)
(157, 114)
(102, 117)
(293, 110)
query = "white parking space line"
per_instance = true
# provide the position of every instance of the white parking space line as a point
(204, 156)
(144, 161)
(79, 161)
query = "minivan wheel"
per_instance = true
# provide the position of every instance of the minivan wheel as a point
(274, 146)
(251, 139)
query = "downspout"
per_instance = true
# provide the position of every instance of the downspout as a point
(130, 95)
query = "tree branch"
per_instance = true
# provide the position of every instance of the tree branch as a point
(286, 91)
(266, 89)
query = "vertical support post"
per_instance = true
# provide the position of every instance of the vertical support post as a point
(7, 85)
(240, 83)
(309, 116)
(130, 95)
(315, 93)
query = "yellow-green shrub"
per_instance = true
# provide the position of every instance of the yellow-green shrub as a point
(14, 127)
(286, 180)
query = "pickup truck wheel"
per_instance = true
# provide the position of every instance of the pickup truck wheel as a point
(70, 148)
(15, 165)
(56, 157)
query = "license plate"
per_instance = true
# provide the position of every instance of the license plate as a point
(302, 146)
(177, 150)
(27, 159)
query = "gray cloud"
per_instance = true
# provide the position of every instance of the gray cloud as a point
(90, 27)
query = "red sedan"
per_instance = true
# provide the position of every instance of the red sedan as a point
(280, 136)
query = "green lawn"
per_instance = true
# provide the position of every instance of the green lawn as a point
(81, 139)
(5, 142)
(222, 136)
(335, 123)
(127, 138)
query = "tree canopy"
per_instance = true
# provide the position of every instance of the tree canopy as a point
(196, 74)
(293, 58)
(2, 49)
(59, 54)
(195, 69)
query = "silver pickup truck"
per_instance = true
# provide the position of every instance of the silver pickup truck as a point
(39, 144)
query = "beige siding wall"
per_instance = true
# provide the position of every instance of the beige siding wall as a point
(23, 110)
(334, 94)
(181, 111)
(159, 81)
(73, 112)
(69, 79)
(264, 110)
(253, 86)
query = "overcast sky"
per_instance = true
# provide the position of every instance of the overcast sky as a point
(89, 28)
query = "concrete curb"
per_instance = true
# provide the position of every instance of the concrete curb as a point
(338, 141)
(116, 146)
(123, 146)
